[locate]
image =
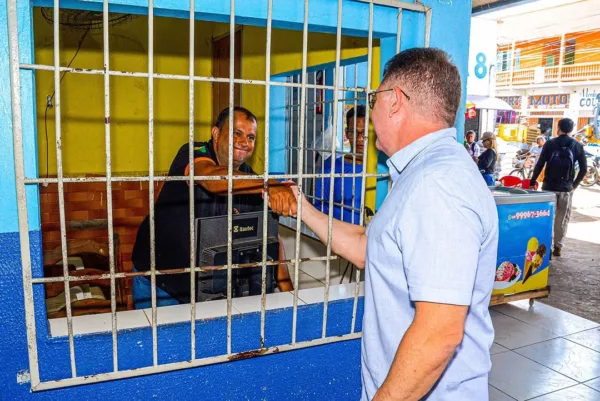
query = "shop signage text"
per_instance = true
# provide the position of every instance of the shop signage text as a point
(549, 101)
(539, 101)
(513, 101)
(588, 99)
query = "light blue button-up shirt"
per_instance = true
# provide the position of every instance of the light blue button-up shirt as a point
(434, 239)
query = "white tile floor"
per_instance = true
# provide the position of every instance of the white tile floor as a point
(544, 354)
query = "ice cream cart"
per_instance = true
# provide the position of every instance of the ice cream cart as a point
(525, 220)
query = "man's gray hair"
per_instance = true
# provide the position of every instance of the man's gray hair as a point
(430, 79)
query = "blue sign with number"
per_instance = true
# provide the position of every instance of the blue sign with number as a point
(480, 67)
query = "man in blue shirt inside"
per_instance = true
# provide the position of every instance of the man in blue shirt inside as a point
(350, 195)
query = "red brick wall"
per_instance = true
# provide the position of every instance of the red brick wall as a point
(87, 201)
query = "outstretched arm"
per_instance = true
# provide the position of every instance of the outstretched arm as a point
(347, 240)
(281, 198)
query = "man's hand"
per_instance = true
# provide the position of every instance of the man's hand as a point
(282, 200)
(294, 188)
(532, 183)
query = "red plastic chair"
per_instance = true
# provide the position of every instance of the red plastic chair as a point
(511, 181)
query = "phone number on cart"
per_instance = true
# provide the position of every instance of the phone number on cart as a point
(533, 214)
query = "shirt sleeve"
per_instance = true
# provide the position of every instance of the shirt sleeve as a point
(200, 152)
(440, 239)
(581, 159)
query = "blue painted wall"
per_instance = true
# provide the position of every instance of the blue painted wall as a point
(277, 125)
(331, 371)
(326, 372)
(8, 198)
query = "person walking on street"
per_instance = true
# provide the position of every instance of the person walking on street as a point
(559, 156)
(430, 251)
(486, 162)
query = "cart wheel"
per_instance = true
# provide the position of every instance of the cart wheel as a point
(531, 301)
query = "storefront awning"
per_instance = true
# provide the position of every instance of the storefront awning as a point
(490, 103)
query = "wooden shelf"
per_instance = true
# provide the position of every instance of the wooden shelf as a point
(531, 295)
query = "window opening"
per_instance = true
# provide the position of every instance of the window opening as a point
(570, 52)
(504, 60)
(299, 170)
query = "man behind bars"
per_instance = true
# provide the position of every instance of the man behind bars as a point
(430, 251)
(347, 165)
(171, 211)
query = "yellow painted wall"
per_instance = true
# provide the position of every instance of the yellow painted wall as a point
(82, 96)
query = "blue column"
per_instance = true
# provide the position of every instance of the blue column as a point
(8, 199)
(277, 128)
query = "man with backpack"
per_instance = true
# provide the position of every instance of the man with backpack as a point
(560, 155)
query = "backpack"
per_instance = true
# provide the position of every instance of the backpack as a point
(561, 165)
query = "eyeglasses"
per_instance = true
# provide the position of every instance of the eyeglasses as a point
(350, 131)
(373, 96)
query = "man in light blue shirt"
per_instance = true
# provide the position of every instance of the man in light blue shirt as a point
(430, 251)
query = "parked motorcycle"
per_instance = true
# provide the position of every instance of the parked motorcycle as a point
(592, 175)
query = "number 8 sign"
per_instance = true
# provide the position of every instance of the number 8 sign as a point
(480, 67)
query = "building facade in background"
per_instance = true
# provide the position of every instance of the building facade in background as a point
(550, 78)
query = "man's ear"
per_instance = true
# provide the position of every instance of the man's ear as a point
(396, 101)
(214, 133)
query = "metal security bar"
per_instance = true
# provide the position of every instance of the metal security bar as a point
(111, 244)
(315, 152)
(61, 191)
(304, 171)
(192, 22)
(366, 144)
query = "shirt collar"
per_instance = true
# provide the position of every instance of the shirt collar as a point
(399, 160)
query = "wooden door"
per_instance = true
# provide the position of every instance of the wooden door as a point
(220, 65)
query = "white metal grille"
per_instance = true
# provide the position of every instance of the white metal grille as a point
(318, 122)
(300, 174)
